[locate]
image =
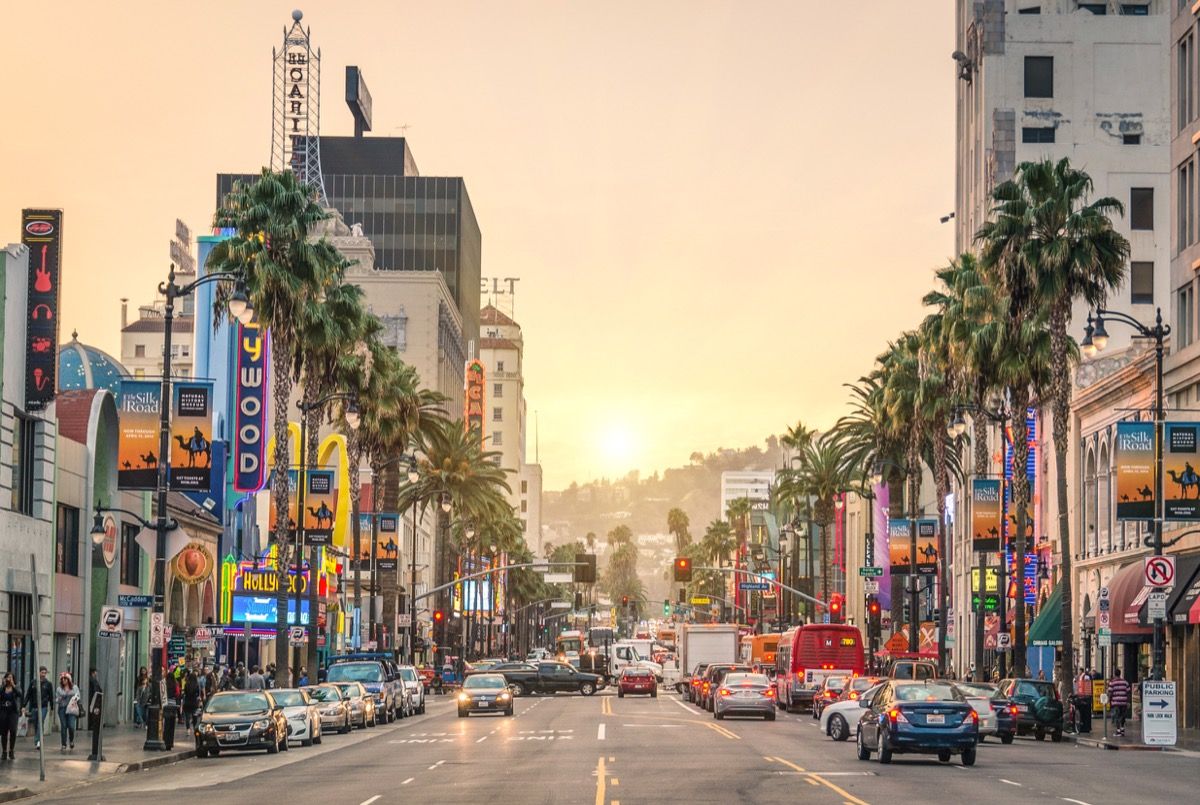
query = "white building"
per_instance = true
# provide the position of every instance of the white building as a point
(752, 484)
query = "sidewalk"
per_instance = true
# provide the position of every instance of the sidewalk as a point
(1189, 740)
(122, 752)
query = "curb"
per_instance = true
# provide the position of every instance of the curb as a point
(1102, 743)
(154, 762)
(12, 794)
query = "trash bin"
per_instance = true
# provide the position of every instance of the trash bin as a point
(170, 716)
(1083, 713)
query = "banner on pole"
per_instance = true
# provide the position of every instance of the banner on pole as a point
(387, 550)
(985, 514)
(1134, 459)
(1181, 481)
(137, 447)
(191, 436)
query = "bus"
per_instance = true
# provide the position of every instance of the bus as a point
(569, 645)
(807, 654)
(759, 649)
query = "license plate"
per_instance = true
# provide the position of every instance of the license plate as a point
(935, 718)
(226, 739)
(1023, 708)
(485, 704)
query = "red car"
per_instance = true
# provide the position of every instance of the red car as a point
(637, 680)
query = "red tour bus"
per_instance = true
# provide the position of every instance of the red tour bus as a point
(807, 654)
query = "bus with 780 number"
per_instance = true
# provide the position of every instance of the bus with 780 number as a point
(808, 654)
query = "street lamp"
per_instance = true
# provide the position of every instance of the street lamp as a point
(783, 547)
(444, 501)
(1095, 340)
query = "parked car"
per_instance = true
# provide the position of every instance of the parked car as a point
(241, 719)
(744, 693)
(929, 717)
(378, 674)
(1040, 712)
(829, 692)
(485, 693)
(363, 712)
(837, 718)
(552, 677)
(634, 680)
(411, 680)
(303, 720)
(333, 708)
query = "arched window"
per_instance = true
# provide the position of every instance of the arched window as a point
(1104, 518)
(1089, 504)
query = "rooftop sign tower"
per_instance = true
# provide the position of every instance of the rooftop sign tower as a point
(296, 113)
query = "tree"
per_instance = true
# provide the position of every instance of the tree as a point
(283, 271)
(819, 473)
(677, 526)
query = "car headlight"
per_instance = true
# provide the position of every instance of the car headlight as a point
(331, 711)
(504, 695)
(261, 724)
(206, 727)
(297, 717)
(464, 697)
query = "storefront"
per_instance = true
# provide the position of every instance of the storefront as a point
(1183, 638)
(1131, 638)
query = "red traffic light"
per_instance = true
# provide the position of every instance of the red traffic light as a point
(438, 616)
(873, 607)
(835, 607)
(683, 568)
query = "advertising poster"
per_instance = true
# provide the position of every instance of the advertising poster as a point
(1134, 459)
(191, 436)
(363, 560)
(880, 554)
(272, 516)
(900, 543)
(1181, 480)
(387, 549)
(320, 503)
(137, 446)
(250, 412)
(41, 233)
(985, 514)
(927, 550)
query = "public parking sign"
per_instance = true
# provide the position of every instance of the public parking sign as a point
(1158, 713)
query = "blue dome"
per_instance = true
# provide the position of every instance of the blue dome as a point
(84, 367)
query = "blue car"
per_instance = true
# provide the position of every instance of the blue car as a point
(927, 717)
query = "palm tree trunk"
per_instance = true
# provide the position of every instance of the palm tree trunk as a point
(313, 388)
(1020, 453)
(981, 446)
(1061, 404)
(942, 483)
(281, 360)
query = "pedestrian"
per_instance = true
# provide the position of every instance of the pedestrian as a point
(255, 680)
(66, 701)
(1118, 699)
(94, 687)
(1042, 674)
(303, 681)
(46, 691)
(211, 684)
(141, 700)
(191, 699)
(10, 714)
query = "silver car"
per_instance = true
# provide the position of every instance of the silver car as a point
(744, 694)
(979, 697)
(416, 689)
(332, 706)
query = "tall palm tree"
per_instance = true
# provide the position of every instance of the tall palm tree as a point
(820, 473)
(284, 269)
(677, 526)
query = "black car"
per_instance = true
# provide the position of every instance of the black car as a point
(485, 693)
(930, 717)
(1039, 710)
(241, 719)
(552, 677)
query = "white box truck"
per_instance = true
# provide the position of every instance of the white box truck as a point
(704, 643)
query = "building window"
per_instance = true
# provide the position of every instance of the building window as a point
(1030, 10)
(1141, 208)
(497, 439)
(1039, 76)
(1141, 282)
(185, 350)
(24, 433)
(1099, 9)
(139, 372)
(524, 487)
(499, 366)
(1185, 56)
(1037, 134)
(524, 506)
(1131, 139)
(66, 541)
(139, 351)
(497, 389)
(1184, 315)
(1135, 9)
(1184, 223)
(497, 414)
(131, 555)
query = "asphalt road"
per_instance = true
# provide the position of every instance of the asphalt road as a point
(605, 750)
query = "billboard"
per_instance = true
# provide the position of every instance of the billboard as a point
(250, 409)
(1134, 459)
(320, 503)
(1181, 481)
(473, 399)
(900, 543)
(41, 233)
(985, 514)
(137, 444)
(273, 514)
(191, 436)
(259, 609)
(387, 548)
(363, 560)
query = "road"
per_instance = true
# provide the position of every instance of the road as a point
(607, 751)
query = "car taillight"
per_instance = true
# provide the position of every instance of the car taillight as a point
(1013, 709)
(769, 693)
(896, 716)
(726, 691)
(853, 695)
(975, 717)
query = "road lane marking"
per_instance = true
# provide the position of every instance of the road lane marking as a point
(850, 798)
(435, 765)
(1010, 782)
(1076, 801)
(600, 733)
(481, 740)
(372, 799)
(661, 726)
(719, 729)
(409, 780)
(601, 788)
(685, 707)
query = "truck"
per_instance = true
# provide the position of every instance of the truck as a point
(703, 643)
(609, 664)
(552, 677)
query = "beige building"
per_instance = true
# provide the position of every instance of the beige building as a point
(142, 338)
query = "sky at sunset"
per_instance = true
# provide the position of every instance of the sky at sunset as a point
(719, 211)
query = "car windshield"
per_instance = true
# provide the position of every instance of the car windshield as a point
(356, 672)
(927, 693)
(324, 694)
(238, 703)
(349, 690)
(288, 698)
(862, 683)
(1035, 690)
(970, 689)
(746, 679)
(835, 682)
(636, 672)
(408, 674)
(485, 681)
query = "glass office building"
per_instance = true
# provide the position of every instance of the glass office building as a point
(415, 223)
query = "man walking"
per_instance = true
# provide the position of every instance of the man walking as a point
(1118, 697)
(255, 681)
(31, 702)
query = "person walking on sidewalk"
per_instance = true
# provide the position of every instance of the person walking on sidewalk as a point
(1118, 697)
(66, 701)
(31, 703)
(10, 713)
(141, 696)
(191, 699)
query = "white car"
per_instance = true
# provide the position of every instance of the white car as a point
(303, 717)
(981, 703)
(836, 718)
(416, 688)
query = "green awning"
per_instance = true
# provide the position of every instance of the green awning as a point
(1047, 626)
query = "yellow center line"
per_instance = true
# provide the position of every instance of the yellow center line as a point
(849, 798)
(727, 733)
(600, 783)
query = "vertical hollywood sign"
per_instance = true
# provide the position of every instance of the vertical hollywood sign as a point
(250, 414)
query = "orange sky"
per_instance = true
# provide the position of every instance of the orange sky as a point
(719, 211)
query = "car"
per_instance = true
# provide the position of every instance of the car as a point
(411, 679)
(912, 669)
(636, 680)
(332, 707)
(485, 693)
(362, 704)
(1003, 722)
(553, 677)
(378, 675)
(712, 680)
(690, 685)
(303, 720)
(837, 717)
(428, 675)
(1040, 712)
(929, 717)
(538, 654)
(512, 665)
(830, 691)
(744, 693)
(241, 719)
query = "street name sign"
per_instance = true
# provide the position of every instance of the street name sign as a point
(1159, 571)
(136, 601)
(870, 571)
(753, 585)
(701, 600)
(1158, 713)
(558, 578)
(560, 604)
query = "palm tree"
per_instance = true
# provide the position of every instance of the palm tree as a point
(1073, 252)
(273, 219)
(677, 526)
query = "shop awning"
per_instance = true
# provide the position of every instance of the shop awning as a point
(1126, 594)
(1186, 567)
(1047, 626)
(1183, 605)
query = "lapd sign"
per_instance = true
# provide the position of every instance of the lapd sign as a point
(1159, 717)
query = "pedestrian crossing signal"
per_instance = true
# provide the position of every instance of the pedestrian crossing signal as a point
(683, 568)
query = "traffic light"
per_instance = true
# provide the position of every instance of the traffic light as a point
(439, 625)
(835, 608)
(438, 616)
(874, 616)
(585, 568)
(666, 607)
(624, 600)
(683, 568)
